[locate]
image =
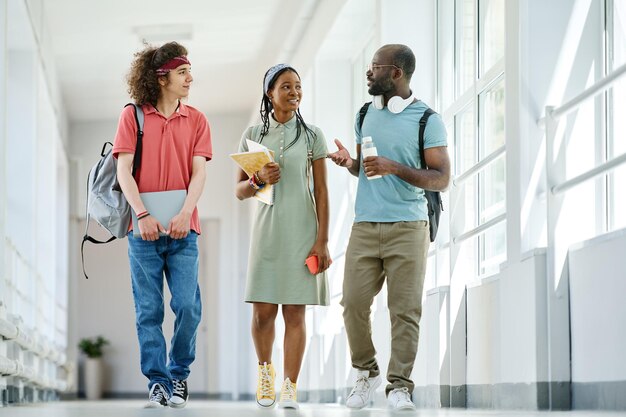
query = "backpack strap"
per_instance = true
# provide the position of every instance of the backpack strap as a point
(139, 119)
(362, 113)
(92, 240)
(423, 122)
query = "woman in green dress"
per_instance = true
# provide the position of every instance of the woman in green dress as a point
(286, 232)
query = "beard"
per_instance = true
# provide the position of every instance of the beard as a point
(380, 87)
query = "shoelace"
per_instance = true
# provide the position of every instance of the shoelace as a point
(179, 388)
(403, 394)
(361, 387)
(157, 395)
(288, 393)
(265, 381)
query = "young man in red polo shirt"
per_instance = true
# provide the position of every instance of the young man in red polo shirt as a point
(176, 146)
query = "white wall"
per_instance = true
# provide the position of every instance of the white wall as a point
(506, 337)
(598, 319)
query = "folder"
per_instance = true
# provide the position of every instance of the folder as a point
(162, 205)
(252, 161)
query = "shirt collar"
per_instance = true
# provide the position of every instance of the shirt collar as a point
(291, 123)
(182, 109)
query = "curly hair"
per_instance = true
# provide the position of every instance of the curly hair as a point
(142, 79)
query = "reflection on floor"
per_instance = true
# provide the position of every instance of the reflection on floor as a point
(116, 408)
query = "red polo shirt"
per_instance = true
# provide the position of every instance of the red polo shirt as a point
(169, 145)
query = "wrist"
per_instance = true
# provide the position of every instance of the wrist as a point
(322, 240)
(258, 180)
(254, 185)
(186, 212)
(142, 215)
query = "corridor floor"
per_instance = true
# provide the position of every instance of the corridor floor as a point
(116, 408)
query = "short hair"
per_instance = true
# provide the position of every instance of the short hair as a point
(403, 58)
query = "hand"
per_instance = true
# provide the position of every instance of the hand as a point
(378, 165)
(342, 156)
(320, 250)
(179, 226)
(270, 173)
(149, 228)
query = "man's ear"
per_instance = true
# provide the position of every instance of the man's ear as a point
(398, 73)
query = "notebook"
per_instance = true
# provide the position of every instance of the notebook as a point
(252, 161)
(162, 205)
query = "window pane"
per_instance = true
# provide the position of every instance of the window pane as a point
(492, 190)
(617, 127)
(465, 218)
(618, 199)
(464, 265)
(491, 36)
(577, 139)
(493, 249)
(465, 149)
(492, 119)
(446, 52)
(466, 61)
(619, 33)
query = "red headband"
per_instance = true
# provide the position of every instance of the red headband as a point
(172, 64)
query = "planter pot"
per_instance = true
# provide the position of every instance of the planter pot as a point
(93, 378)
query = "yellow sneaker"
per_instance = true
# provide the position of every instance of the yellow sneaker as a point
(265, 392)
(288, 395)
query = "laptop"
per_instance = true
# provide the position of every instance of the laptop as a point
(162, 205)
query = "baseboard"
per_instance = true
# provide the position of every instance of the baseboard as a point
(599, 395)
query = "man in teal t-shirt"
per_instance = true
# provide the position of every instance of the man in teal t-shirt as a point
(390, 235)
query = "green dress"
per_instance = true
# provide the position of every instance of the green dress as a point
(284, 233)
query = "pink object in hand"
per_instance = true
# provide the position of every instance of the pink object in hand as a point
(312, 263)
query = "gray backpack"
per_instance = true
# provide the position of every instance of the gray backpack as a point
(106, 203)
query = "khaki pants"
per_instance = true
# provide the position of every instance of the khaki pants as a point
(397, 251)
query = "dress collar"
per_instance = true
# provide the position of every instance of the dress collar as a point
(291, 123)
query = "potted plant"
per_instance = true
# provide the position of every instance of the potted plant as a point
(92, 348)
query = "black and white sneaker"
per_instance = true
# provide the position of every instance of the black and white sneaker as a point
(180, 394)
(157, 398)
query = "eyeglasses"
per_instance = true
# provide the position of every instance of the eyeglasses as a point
(372, 67)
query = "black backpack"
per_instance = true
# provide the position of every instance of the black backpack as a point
(433, 198)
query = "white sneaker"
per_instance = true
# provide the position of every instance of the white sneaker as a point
(400, 399)
(363, 390)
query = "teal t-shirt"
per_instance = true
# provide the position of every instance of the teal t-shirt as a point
(396, 136)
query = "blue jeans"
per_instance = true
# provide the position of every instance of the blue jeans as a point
(178, 259)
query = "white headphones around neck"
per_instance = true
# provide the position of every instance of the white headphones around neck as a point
(396, 104)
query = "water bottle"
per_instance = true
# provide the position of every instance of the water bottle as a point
(368, 149)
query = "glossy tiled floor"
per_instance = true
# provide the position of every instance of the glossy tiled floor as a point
(248, 409)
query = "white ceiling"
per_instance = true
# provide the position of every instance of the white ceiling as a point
(233, 42)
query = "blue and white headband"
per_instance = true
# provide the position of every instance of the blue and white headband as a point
(271, 73)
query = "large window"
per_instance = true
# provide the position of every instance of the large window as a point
(476, 110)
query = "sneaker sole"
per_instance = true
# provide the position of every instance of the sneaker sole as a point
(154, 405)
(174, 405)
(404, 408)
(290, 405)
(267, 407)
